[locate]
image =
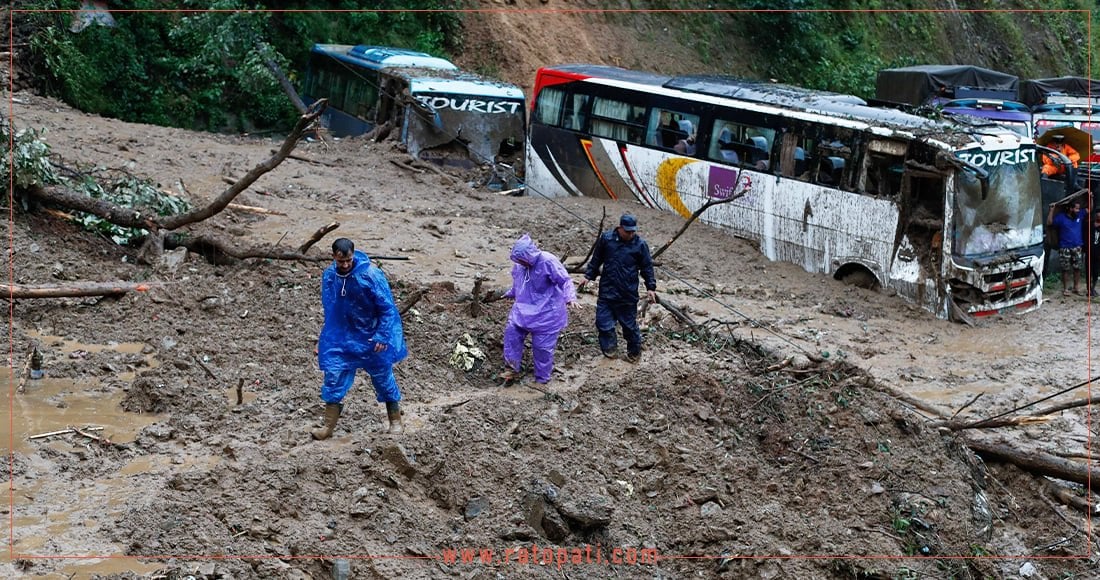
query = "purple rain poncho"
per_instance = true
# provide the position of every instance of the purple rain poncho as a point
(541, 288)
(359, 311)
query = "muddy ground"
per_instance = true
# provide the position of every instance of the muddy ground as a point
(706, 448)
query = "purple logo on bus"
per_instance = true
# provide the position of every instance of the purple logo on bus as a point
(723, 182)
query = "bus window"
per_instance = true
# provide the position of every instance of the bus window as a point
(740, 144)
(617, 120)
(361, 99)
(549, 107)
(666, 129)
(885, 163)
(794, 158)
(575, 107)
(833, 160)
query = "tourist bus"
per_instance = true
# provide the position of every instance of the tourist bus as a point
(438, 111)
(947, 214)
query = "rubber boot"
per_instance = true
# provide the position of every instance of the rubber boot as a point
(332, 414)
(393, 412)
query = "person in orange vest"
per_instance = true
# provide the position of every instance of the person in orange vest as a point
(1051, 167)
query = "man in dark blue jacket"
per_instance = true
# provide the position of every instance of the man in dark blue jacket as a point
(620, 255)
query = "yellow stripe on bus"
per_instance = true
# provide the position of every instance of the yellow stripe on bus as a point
(666, 183)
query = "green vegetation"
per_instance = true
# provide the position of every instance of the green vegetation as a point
(32, 168)
(206, 69)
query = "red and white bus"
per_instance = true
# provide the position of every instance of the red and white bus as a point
(947, 213)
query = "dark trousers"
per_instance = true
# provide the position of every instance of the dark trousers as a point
(624, 313)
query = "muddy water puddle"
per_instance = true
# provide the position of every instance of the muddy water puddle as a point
(57, 424)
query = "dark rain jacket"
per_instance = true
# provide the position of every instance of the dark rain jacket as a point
(618, 264)
(359, 311)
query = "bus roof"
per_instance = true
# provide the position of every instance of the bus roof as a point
(377, 57)
(767, 94)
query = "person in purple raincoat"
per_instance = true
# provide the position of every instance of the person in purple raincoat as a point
(542, 289)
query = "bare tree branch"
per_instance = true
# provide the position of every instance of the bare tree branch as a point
(709, 204)
(177, 221)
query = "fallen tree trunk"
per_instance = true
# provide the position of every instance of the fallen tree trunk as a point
(76, 289)
(216, 250)
(1037, 462)
(134, 218)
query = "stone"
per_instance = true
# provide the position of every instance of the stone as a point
(588, 511)
(475, 507)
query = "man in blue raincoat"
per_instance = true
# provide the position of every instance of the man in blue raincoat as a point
(542, 289)
(362, 330)
(619, 257)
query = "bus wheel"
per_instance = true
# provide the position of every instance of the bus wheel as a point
(859, 277)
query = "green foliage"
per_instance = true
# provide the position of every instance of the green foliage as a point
(206, 69)
(139, 194)
(30, 158)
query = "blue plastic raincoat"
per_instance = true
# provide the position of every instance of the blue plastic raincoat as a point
(359, 311)
(541, 287)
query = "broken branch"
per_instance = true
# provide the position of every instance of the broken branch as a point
(316, 237)
(709, 204)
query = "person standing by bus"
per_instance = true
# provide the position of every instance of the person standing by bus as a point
(1070, 229)
(620, 256)
(362, 330)
(542, 290)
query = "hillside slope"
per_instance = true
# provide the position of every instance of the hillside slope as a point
(830, 50)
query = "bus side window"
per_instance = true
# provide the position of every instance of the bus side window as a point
(884, 174)
(549, 107)
(831, 171)
(793, 160)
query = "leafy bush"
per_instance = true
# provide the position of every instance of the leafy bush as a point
(131, 192)
(30, 158)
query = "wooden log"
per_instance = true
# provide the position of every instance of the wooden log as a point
(404, 165)
(17, 291)
(51, 434)
(254, 209)
(411, 300)
(475, 300)
(1064, 406)
(24, 374)
(297, 157)
(1036, 462)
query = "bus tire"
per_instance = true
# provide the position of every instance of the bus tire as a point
(861, 279)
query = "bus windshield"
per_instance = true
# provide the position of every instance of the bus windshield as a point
(1007, 215)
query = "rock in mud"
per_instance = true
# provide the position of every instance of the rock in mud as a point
(588, 511)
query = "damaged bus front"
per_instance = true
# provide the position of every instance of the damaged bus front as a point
(439, 112)
(996, 221)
